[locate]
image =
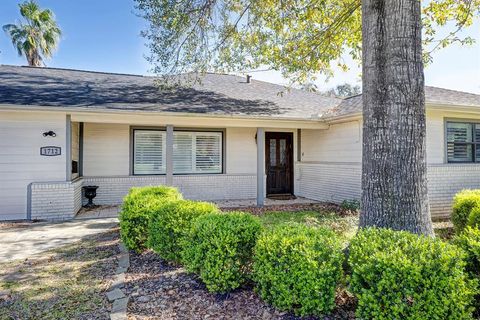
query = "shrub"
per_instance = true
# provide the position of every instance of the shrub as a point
(469, 241)
(297, 268)
(463, 203)
(171, 222)
(137, 209)
(219, 249)
(399, 275)
(474, 218)
(350, 205)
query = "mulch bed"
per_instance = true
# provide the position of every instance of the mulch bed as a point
(159, 290)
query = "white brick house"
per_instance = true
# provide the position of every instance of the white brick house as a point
(221, 139)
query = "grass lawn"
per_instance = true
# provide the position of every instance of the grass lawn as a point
(65, 283)
(345, 226)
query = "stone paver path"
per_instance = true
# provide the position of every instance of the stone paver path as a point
(21, 243)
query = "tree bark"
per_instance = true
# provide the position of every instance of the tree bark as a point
(394, 171)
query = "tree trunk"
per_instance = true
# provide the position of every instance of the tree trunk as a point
(34, 59)
(394, 172)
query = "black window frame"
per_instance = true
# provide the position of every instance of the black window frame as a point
(475, 144)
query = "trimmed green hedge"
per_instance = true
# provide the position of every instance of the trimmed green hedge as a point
(219, 249)
(463, 204)
(171, 223)
(399, 275)
(137, 209)
(474, 218)
(469, 241)
(297, 268)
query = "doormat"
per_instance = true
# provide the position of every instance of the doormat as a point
(281, 196)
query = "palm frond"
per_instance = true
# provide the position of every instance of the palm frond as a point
(39, 34)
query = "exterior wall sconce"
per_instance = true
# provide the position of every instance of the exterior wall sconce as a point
(49, 134)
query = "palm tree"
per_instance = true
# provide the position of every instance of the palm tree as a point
(37, 36)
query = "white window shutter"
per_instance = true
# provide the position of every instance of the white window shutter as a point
(149, 152)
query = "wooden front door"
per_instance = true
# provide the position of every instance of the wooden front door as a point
(279, 162)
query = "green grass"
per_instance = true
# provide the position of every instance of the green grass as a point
(344, 226)
(65, 283)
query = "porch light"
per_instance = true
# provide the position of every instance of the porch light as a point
(49, 134)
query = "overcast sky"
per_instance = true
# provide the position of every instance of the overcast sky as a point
(103, 35)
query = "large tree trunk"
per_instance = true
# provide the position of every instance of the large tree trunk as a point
(394, 172)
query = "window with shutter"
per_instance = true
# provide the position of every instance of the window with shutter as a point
(197, 152)
(463, 142)
(149, 152)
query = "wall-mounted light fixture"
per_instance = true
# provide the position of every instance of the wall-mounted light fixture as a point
(49, 134)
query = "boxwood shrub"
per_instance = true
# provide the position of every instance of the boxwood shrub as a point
(399, 275)
(463, 204)
(137, 209)
(474, 218)
(219, 249)
(297, 268)
(171, 223)
(469, 241)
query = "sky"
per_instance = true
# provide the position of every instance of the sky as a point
(104, 35)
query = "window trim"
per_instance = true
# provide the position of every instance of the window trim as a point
(132, 150)
(445, 139)
(186, 129)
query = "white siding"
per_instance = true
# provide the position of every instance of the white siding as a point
(435, 137)
(106, 149)
(241, 155)
(340, 143)
(21, 136)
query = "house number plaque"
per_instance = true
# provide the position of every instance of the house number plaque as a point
(50, 151)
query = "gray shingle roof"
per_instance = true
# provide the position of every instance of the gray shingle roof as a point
(433, 95)
(217, 94)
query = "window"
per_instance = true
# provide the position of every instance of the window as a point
(463, 142)
(149, 152)
(193, 152)
(197, 152)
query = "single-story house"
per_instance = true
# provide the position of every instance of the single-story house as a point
(224, 138)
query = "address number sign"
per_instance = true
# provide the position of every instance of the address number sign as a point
(50, 151)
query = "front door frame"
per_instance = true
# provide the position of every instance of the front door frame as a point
(290, 140)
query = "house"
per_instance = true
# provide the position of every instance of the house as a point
(226, 138)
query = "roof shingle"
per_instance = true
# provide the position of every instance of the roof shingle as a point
(216, 94)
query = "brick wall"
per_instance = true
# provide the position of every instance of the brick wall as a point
(55, 200)
(445, 181)
(199, 187)
(335, 182)
(217, 187)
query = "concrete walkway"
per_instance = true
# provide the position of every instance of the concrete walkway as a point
(22, 243)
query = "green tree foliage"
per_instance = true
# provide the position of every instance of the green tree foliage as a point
(299, 38)
(37, 36)
(344, 90)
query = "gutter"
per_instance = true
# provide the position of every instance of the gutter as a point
(82, 109)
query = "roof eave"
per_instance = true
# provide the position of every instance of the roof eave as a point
(81, 109)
